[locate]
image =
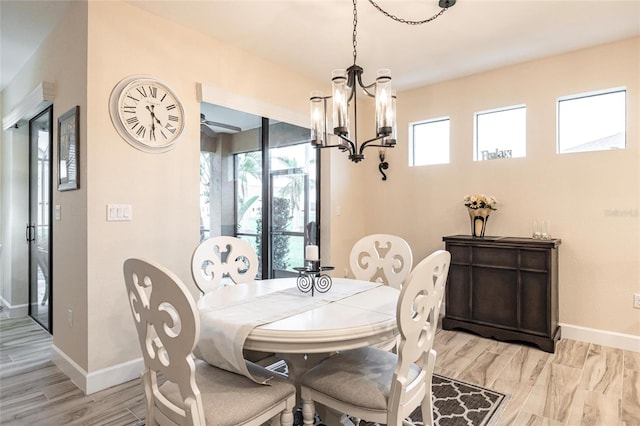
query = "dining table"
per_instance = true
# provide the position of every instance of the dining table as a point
(301, 328)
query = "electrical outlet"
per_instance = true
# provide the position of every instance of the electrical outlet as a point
(636, 300)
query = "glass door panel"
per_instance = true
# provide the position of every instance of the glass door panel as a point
(38, 230)
(289, 218)
(293, 202)
(248, 200)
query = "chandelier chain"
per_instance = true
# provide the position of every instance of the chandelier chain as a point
(355, 32)
(406, 21)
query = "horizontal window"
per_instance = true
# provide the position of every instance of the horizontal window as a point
(429, 142)
(592, 122)
(500, 133)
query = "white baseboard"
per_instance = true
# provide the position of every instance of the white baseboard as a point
(612, 339)
(68, 366)
(115, 375)
(97, 380)
(16, 311)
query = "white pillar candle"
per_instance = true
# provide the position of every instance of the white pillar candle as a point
(311, 253)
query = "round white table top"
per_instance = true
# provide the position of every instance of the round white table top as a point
(365, 318)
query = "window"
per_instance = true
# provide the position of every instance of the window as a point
(501, 133)
(592, 122)
(429, 142)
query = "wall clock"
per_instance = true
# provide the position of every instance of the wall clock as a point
(146, 113)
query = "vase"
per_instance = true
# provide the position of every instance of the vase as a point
(479, 218)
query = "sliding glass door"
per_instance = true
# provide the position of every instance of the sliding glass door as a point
(259, 183)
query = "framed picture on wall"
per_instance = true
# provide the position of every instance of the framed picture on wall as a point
(68, 141)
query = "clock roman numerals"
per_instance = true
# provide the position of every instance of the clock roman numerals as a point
(142, 91)
(141, 131)
(133, 122)
(153, 91)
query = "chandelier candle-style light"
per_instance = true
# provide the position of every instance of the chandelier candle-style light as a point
(344, 95)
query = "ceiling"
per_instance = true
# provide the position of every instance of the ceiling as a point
(23, 27)
(313, 37)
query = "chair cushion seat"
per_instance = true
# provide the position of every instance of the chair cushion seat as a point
(360, 377)
(231, 399)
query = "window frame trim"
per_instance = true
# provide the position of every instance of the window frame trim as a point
(412, 156)
(589, 94)
(492, 111)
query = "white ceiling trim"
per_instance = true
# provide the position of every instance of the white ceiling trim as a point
(222, 97)
(40, 97)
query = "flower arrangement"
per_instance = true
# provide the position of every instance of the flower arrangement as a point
(480, 201)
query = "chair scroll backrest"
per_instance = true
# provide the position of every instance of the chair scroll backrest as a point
(417, 315)
(219, 257)
(381, 257)
(168, 327)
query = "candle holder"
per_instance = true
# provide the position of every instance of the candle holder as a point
(312, 279)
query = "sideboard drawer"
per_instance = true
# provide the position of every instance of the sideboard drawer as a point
(495, 256)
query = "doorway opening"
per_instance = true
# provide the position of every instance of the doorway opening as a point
(259, 181)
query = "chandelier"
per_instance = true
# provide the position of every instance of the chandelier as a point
(344, 96)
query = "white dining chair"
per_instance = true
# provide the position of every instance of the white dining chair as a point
(379, 386)
(223, 258)
(381, 257)
(179, 389)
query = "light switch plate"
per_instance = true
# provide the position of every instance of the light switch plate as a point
(119, 212)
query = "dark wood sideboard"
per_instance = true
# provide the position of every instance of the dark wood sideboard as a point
(504, 287)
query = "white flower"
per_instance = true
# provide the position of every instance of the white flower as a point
(480, 201)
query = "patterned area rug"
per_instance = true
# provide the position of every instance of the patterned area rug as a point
(455, 403)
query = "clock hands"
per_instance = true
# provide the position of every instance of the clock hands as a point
(153, 116)
(154, 119)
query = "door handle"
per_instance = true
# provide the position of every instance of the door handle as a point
(28, 234)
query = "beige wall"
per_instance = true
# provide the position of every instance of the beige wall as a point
(14, 252)
(85, 65)
(162, 188)
(100, 43)
(578, 193)
(61, 59)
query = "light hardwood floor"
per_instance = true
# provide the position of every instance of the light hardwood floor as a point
(581, 384)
